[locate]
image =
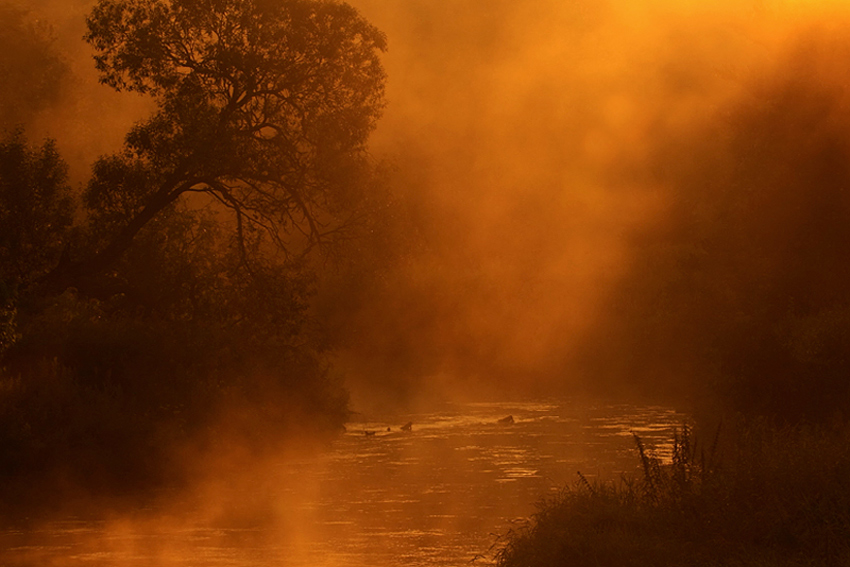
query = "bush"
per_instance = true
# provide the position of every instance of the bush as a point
(103, 402)
(778, 496)
(56, 433)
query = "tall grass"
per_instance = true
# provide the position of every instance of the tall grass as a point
(767, 497)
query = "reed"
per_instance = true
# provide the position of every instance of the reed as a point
(770, 496)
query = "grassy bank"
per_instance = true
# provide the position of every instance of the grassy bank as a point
(765, 496)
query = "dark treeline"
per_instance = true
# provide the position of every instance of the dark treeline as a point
(166, 303)
(737, 294)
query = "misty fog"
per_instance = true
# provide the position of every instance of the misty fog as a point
(526, 145)
(534, 152)
(537, 146)
(633, 200)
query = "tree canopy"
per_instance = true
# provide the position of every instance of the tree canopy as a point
(35, 209)
(263, 107)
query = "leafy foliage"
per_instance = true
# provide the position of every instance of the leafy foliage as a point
(264, 108)
(35, 209)
(178, 309)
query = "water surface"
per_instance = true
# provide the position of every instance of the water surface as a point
(437, 495)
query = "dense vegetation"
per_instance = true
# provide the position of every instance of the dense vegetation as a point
(774, 497)
(168, 302)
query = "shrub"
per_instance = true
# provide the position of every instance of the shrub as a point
(778, 496)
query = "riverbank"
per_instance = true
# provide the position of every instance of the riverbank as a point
(765, 495)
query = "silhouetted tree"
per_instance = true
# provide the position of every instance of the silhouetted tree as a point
(263, 107)
(36, 209)
(180, 301)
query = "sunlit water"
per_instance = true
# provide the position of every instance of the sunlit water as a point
(438, 495)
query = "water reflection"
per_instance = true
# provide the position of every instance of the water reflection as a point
(431, 496)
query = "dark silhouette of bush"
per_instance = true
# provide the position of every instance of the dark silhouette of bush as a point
(766, 496)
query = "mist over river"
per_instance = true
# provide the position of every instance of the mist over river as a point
(439, 494)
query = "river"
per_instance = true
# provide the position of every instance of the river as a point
(439, 494)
